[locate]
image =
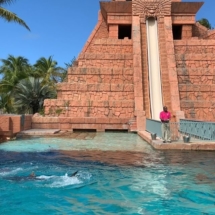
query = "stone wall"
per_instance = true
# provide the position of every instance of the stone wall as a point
(4, 124)
(199, 31)
(71, 123)
(28, 122)
(211, 35)
(10, 125)
(195, 64)
(146, 97)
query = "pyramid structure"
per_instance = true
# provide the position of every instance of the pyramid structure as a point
(108, 88)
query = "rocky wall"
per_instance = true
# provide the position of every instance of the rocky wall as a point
(100, 108)
(195, 62)
(101, 86)
(199, 30)
(103, 96)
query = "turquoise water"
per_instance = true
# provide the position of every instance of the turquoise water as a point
(130, 179)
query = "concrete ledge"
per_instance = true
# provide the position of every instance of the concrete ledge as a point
(38, 132)
(70, 123)
(195, 146)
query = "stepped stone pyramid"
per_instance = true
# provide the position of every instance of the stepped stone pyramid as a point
(99, 93)
(109, 86)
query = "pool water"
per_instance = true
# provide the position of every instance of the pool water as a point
(117, 174)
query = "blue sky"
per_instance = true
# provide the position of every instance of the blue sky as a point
(58, 28)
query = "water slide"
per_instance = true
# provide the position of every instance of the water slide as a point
(156, 99)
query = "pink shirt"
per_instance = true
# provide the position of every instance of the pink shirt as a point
(165, 116)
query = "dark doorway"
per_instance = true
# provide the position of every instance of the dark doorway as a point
(177, 32)
(116, 131)
(124, 31)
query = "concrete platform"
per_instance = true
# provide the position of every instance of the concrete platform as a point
(38, 132)
(193, 145)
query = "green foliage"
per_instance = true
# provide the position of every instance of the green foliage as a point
(66, 103)
(48, 70)
(9, 16)
(30, 94)
(205, 23)
(65, 71)
(6, 103)
(58, 111)
(42, 111)
(71, 63)
(13, 70)
(24, 87)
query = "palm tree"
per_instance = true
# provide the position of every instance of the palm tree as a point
(9, 16)
(30, 94)
(6, 103)
(205, 23)
(13, 70)
(47, 69)
(64, 74)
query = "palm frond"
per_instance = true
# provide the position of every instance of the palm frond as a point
(30, 93)
(12, 17)
(6, 1)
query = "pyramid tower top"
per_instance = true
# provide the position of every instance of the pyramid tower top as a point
(152, 0)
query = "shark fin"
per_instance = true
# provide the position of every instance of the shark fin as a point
(74, 174)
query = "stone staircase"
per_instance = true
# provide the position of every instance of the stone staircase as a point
(99, 93)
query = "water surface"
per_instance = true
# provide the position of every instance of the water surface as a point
(117, 174)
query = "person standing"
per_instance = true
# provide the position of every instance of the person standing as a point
(165, 117)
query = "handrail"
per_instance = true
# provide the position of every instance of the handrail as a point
(197, 129)
(195, 120)
(154, 127)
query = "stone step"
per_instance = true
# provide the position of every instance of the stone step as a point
(80, 120)
(197, 105)
(104, 63)
(97, 109)
(93, 79)
(126, 110)
(194, 50)
(88, 104)
(195, 64)
(105, 56)
(195, 57)
(71, 123)
(113, 41)
(197, 96)
(194, 43)
(195, 71)
(132, 125)
(196, 87)
(196, 80)
(77, 87)
(115, 96)
(110, 49)
(100, 71)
